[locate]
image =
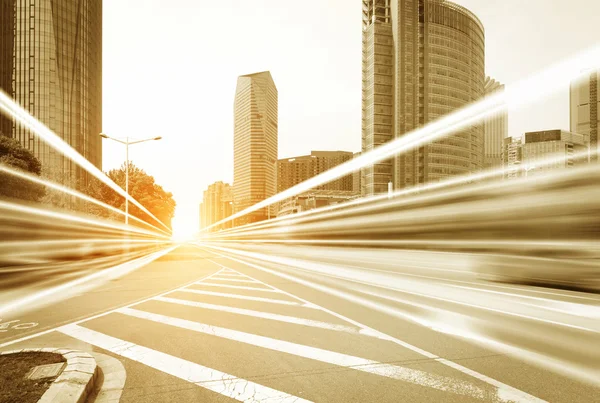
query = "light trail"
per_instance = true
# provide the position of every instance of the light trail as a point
(37, 299)
(366, 204)
(52, 185)
(14, 110)
(516, 95)
(22, 210)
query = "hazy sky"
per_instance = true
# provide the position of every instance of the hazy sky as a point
(170, 69)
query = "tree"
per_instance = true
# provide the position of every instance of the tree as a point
(143, 188)
(15, 156)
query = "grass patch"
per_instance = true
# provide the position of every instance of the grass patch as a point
(14, 386)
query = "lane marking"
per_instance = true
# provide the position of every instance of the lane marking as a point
(208, 378)
(263, 315)
(235, 280)
(404, 374)
(238, 287)
(237, 296)
(231, 274)
(505, 391)
(104, 313)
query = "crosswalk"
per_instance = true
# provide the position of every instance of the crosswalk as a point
(238, 337)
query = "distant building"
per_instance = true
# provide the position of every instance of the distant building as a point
(295, 170)
(51, 64)
(421, 60)
(585, 103)
(217, 203)
(254, 144)
(512, 156)
(569, 149)
(559, 144)
(495, 129)
(357, 179)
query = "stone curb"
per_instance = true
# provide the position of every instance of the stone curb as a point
(77, 380)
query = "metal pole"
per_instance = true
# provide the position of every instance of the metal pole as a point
(127, 181)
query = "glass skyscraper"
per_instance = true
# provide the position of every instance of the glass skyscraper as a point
(254, 144)
(51, 64)
(422, 59)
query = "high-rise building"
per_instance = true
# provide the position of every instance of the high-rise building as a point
(585, 103)
(51, 64)
(422, 59)
(216, 205)
(254, 144)
(295, 170)
(495, 128)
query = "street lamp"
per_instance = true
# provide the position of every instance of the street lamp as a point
(127, 144)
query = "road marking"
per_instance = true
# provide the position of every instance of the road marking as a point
(231, 274)
(239, 287)
(208, 378)
(42, 333)
(505, 392)
(237, 296)
(263, 315)
(233, 279)
(404, 374)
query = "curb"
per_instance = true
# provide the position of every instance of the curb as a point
(77, 380)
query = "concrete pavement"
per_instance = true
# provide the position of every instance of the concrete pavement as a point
(199, 326)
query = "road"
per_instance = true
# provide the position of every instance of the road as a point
(289, 323)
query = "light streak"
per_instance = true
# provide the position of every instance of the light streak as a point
(54, 215)
(358, 205)
(14, 110)
(516, 95)
(71, 192)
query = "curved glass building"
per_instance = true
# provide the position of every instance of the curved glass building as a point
(422, 59)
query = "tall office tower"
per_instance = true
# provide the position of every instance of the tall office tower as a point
(216, 205)
(254, 144)
(495, 128)
(422, 59)
(584, 108)
(51, 64)
(295, 170)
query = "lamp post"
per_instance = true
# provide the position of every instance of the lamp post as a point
(127, 144)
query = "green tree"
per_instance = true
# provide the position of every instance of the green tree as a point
(15, 156)
(143, 188)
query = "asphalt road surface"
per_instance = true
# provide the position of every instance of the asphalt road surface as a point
(291, 324)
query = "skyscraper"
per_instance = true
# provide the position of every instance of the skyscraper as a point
(584, 108)
(495, 128)
(254, 144)
(51, 64)
(422, 59)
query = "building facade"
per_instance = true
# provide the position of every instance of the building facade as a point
(51, 64)
(512, 156)
(584, 105)
(217, 204)
(570, 149)
(495, 129)
(295, 170)
(526, 156)
(422, 59)
(255, 144)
